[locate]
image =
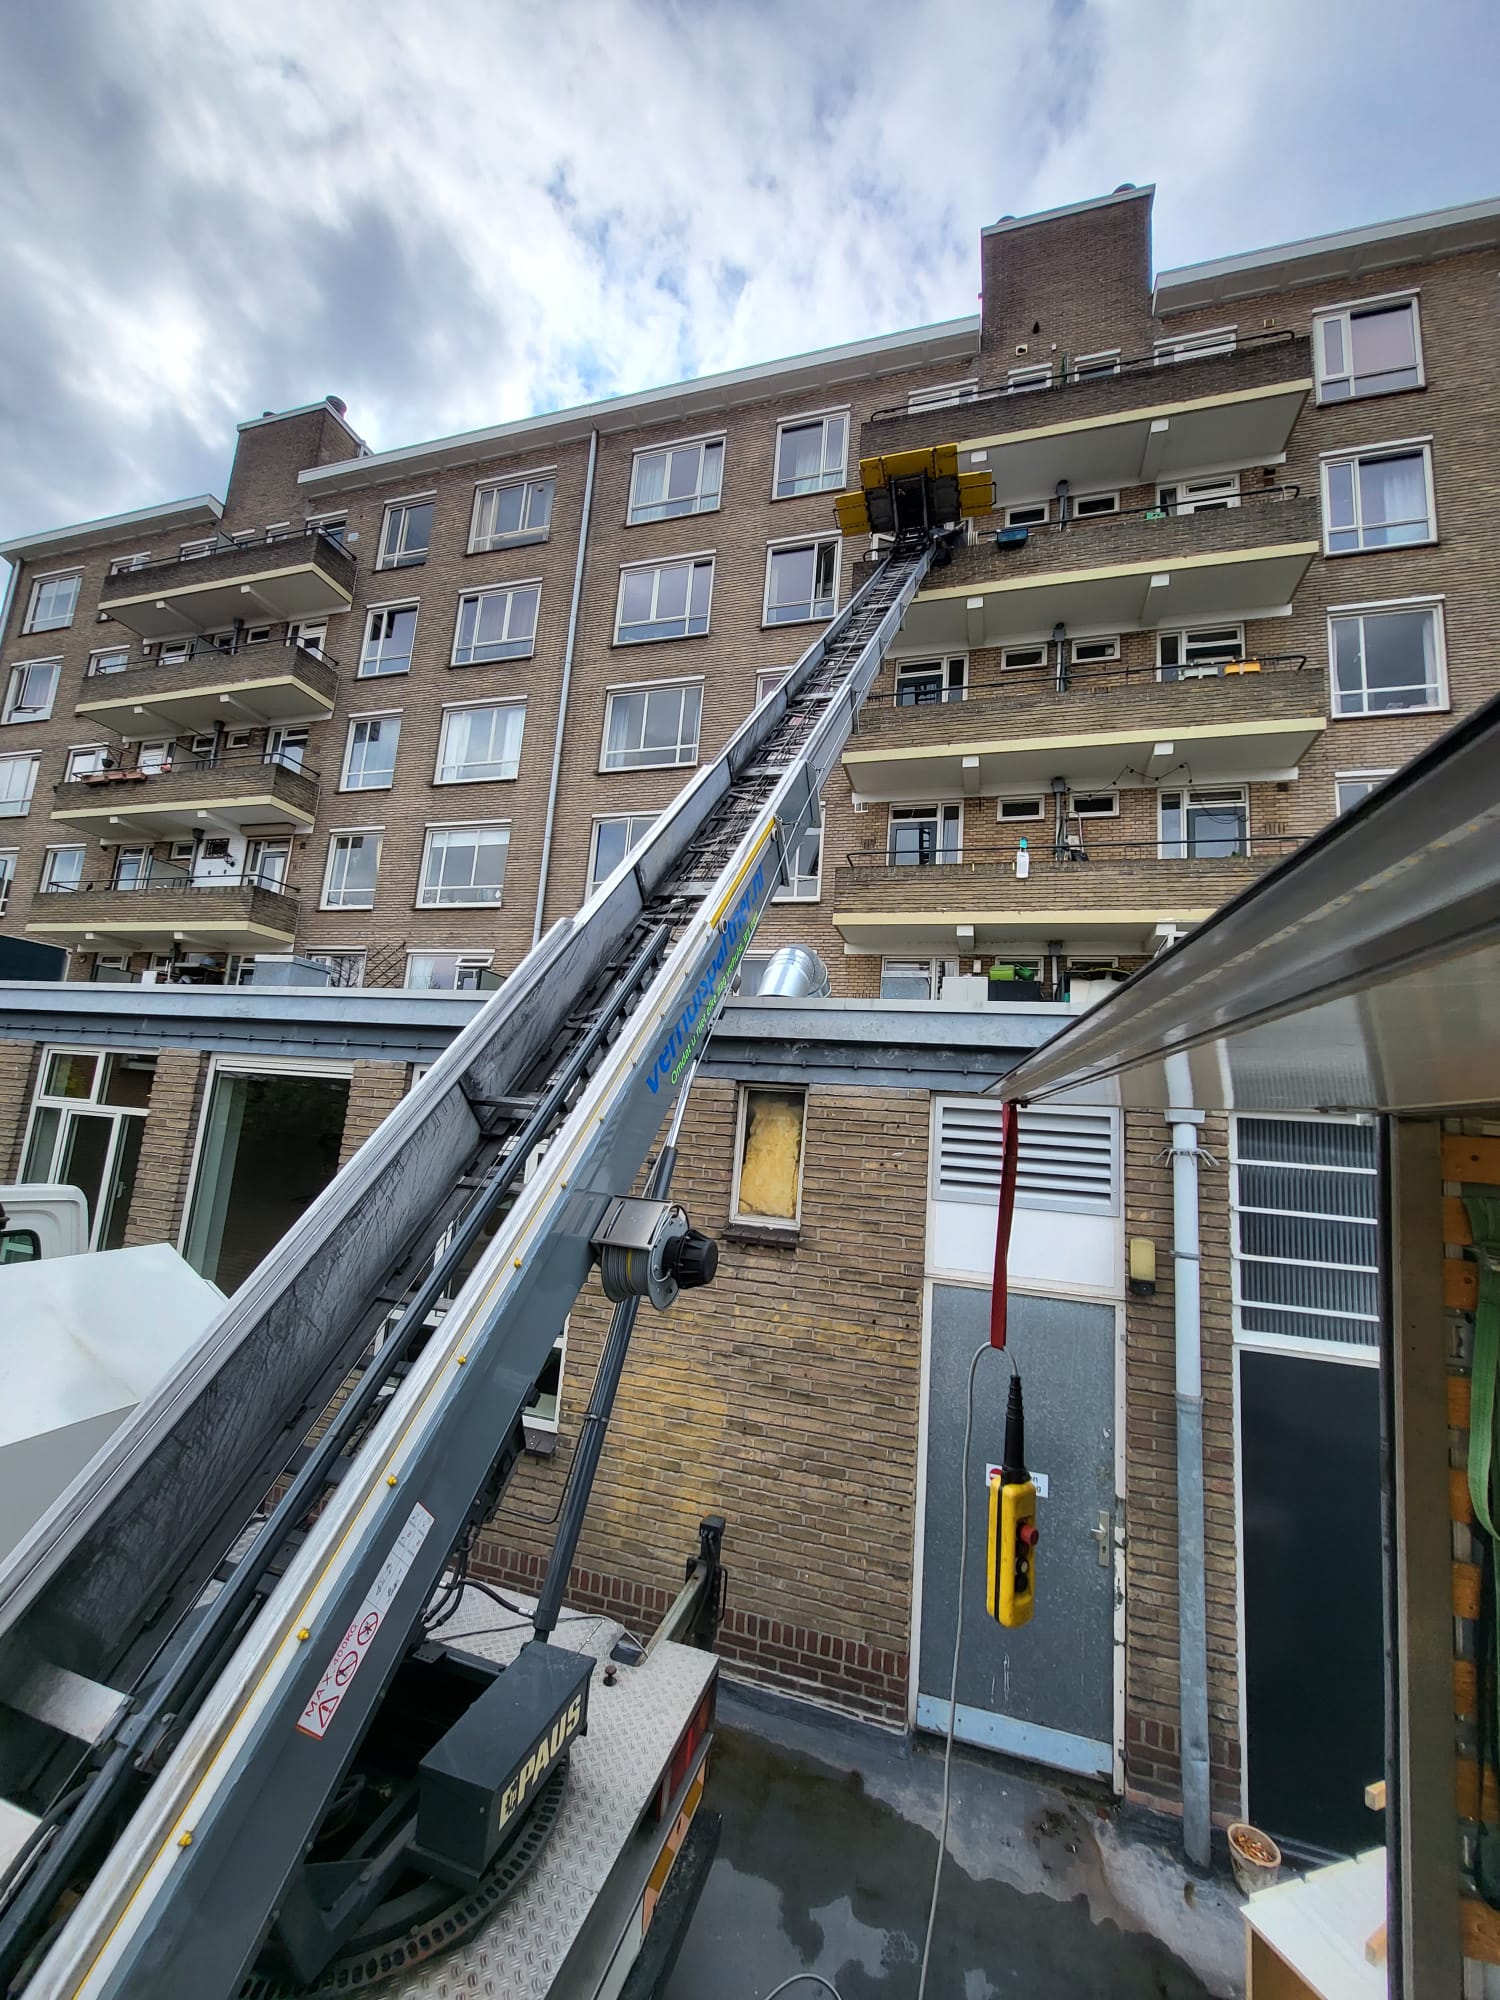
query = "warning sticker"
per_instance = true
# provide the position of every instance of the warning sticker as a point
(356, 1642)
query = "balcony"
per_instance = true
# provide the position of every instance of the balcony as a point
(226, 793)
(241, 685)
(1119, 573)
(238, 914)
(1150, 420)
(1014, 731)
(278, 577)
(1108, 897)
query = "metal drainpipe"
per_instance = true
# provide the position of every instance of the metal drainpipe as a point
(1192, 1604)
(562, 696)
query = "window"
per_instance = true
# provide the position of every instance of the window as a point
(508, 515)
(613, 840)
(1031, 514)
(768, 1156)
(752, 971)
(447, 971)
(370, 753)
(923, 835)
(286, 747)
(1194, 346)
(312, 634)
(353, 865)
(1089, 506)
(1369, 350)
(17, 782)
(1387, 659)
(496, 625)
(204, 546)
(1092, 367)
(154, 758)
(810, 455)
(768, 681)
(132, 869)
(1020, 659)
(679, 479)
(941, 396)
(1094, 805)
(1349, 787)
(480, 743)
(804, 873)
(1009, 809)
(1092, 652)
(83, 762)
(1378, 500)
(62, 869)
(344, 968)
(30, 690)
(915, 978)
(1200, 496)
(1019, 381)
(1203, 825)
(87, 1123)
(407, 534)
(109, 660)
(267, 862)
(919, 682)
(124, 565)
(53, 602)
(389, 635)
(1199, 652)
(1305, 1265)
(463, 867)
(664, 601)
(334, 526)
(256, 635)
(541, 1413)
(802, 582)
(1066, 1159)
(646, 728)
(8, 858)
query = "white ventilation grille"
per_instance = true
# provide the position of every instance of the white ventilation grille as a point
(1068, 1159)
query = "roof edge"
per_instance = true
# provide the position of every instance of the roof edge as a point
(1128, 192)
(200, 506)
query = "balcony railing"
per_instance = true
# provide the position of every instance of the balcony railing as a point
(126, 579)
(1072, 852)
(162, 880)
(206, 653)
(1070, 376)
(1067, 677)
(193, 760)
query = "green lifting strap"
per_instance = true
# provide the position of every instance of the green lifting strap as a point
(1484, 1224)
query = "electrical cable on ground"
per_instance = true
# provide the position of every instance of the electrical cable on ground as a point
(958, 1646)
(817, 1979)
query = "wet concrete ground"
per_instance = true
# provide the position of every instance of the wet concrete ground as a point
(826, 1862)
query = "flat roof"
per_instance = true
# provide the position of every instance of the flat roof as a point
(1129, 192)
(821, 371)
(1316, 260)
(201, 509)
(327, 407)
(1359, 976)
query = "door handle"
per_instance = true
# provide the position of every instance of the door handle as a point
(1103, 1535)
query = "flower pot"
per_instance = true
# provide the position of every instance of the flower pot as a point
(1254, 1856)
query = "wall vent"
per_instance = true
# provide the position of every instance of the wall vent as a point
(1069, 1158)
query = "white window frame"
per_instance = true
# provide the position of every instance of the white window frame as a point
(1189, 635)
(1398, 448)
(788, 1225)
(768, 680)
(831, 477)
(1016, 507)
(103, 653)
(9, 856)
(1212, 493)
(1095, 367)
(1111, 644)
(787, 546)
(18, 680)
(1435, 604)
(47, 882)
(402, 560)
(1175, 848)
(706, 557)
(374, 611)
(1195, 346)
(945, 814)
(635, 518)
(1369, 779)
(465, 959)
(682, 763)
(935, 970)
(1009, 665)
(602, 820)
(50, 581)
(19, 805)
(954, 686)
(204, 545)
(515, 649)
(1111, 811)
(369, 715)
(331, 959)
(77, 750)
(942, 395)
(127, 565)
(527, 534)
(426, 899)
(797, 890)
(1026, 380)
(1092, 501)
(1036, 799)
(341, 833)
(452, 708)
(1352, 309)
(91, 1106)
(334, 526)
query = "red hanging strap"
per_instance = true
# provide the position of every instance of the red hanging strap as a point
(999, 1292)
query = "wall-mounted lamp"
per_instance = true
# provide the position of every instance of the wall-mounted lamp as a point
(1142, 1267)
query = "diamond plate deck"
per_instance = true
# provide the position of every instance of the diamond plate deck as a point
(633, 1729)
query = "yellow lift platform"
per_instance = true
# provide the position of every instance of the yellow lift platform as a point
(913, 494)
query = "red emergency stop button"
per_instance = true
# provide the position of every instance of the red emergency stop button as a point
(1028, 1534)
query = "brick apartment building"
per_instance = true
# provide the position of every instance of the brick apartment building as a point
(389, 714)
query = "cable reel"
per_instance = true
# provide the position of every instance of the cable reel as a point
(650, 1250)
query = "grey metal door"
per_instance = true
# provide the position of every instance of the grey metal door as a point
(1046, 1690)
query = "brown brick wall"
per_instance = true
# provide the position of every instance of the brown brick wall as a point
(18, 1067)
(161, 1181)
(374, 1092)
(1055, 289)
(785, 1399)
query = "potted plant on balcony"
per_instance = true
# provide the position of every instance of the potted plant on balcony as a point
(1015, 984)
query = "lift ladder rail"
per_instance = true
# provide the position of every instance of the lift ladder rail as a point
(185, 1892)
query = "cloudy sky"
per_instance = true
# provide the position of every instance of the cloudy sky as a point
(452, 212)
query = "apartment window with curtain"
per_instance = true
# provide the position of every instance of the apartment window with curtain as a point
(664, 601)
(675, 480)
(17, 782)
(406, 534)
(810, 455)
(802, 582)
(511, 514)
(353, 867)
(496, 624)
(1387, 658)
(613, 840)
(480, 743)
(52, 603)
(1306, 1252)
(1378, 500)
(1367, 350)
(647, 728)
(30, 691)
(463, 867)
